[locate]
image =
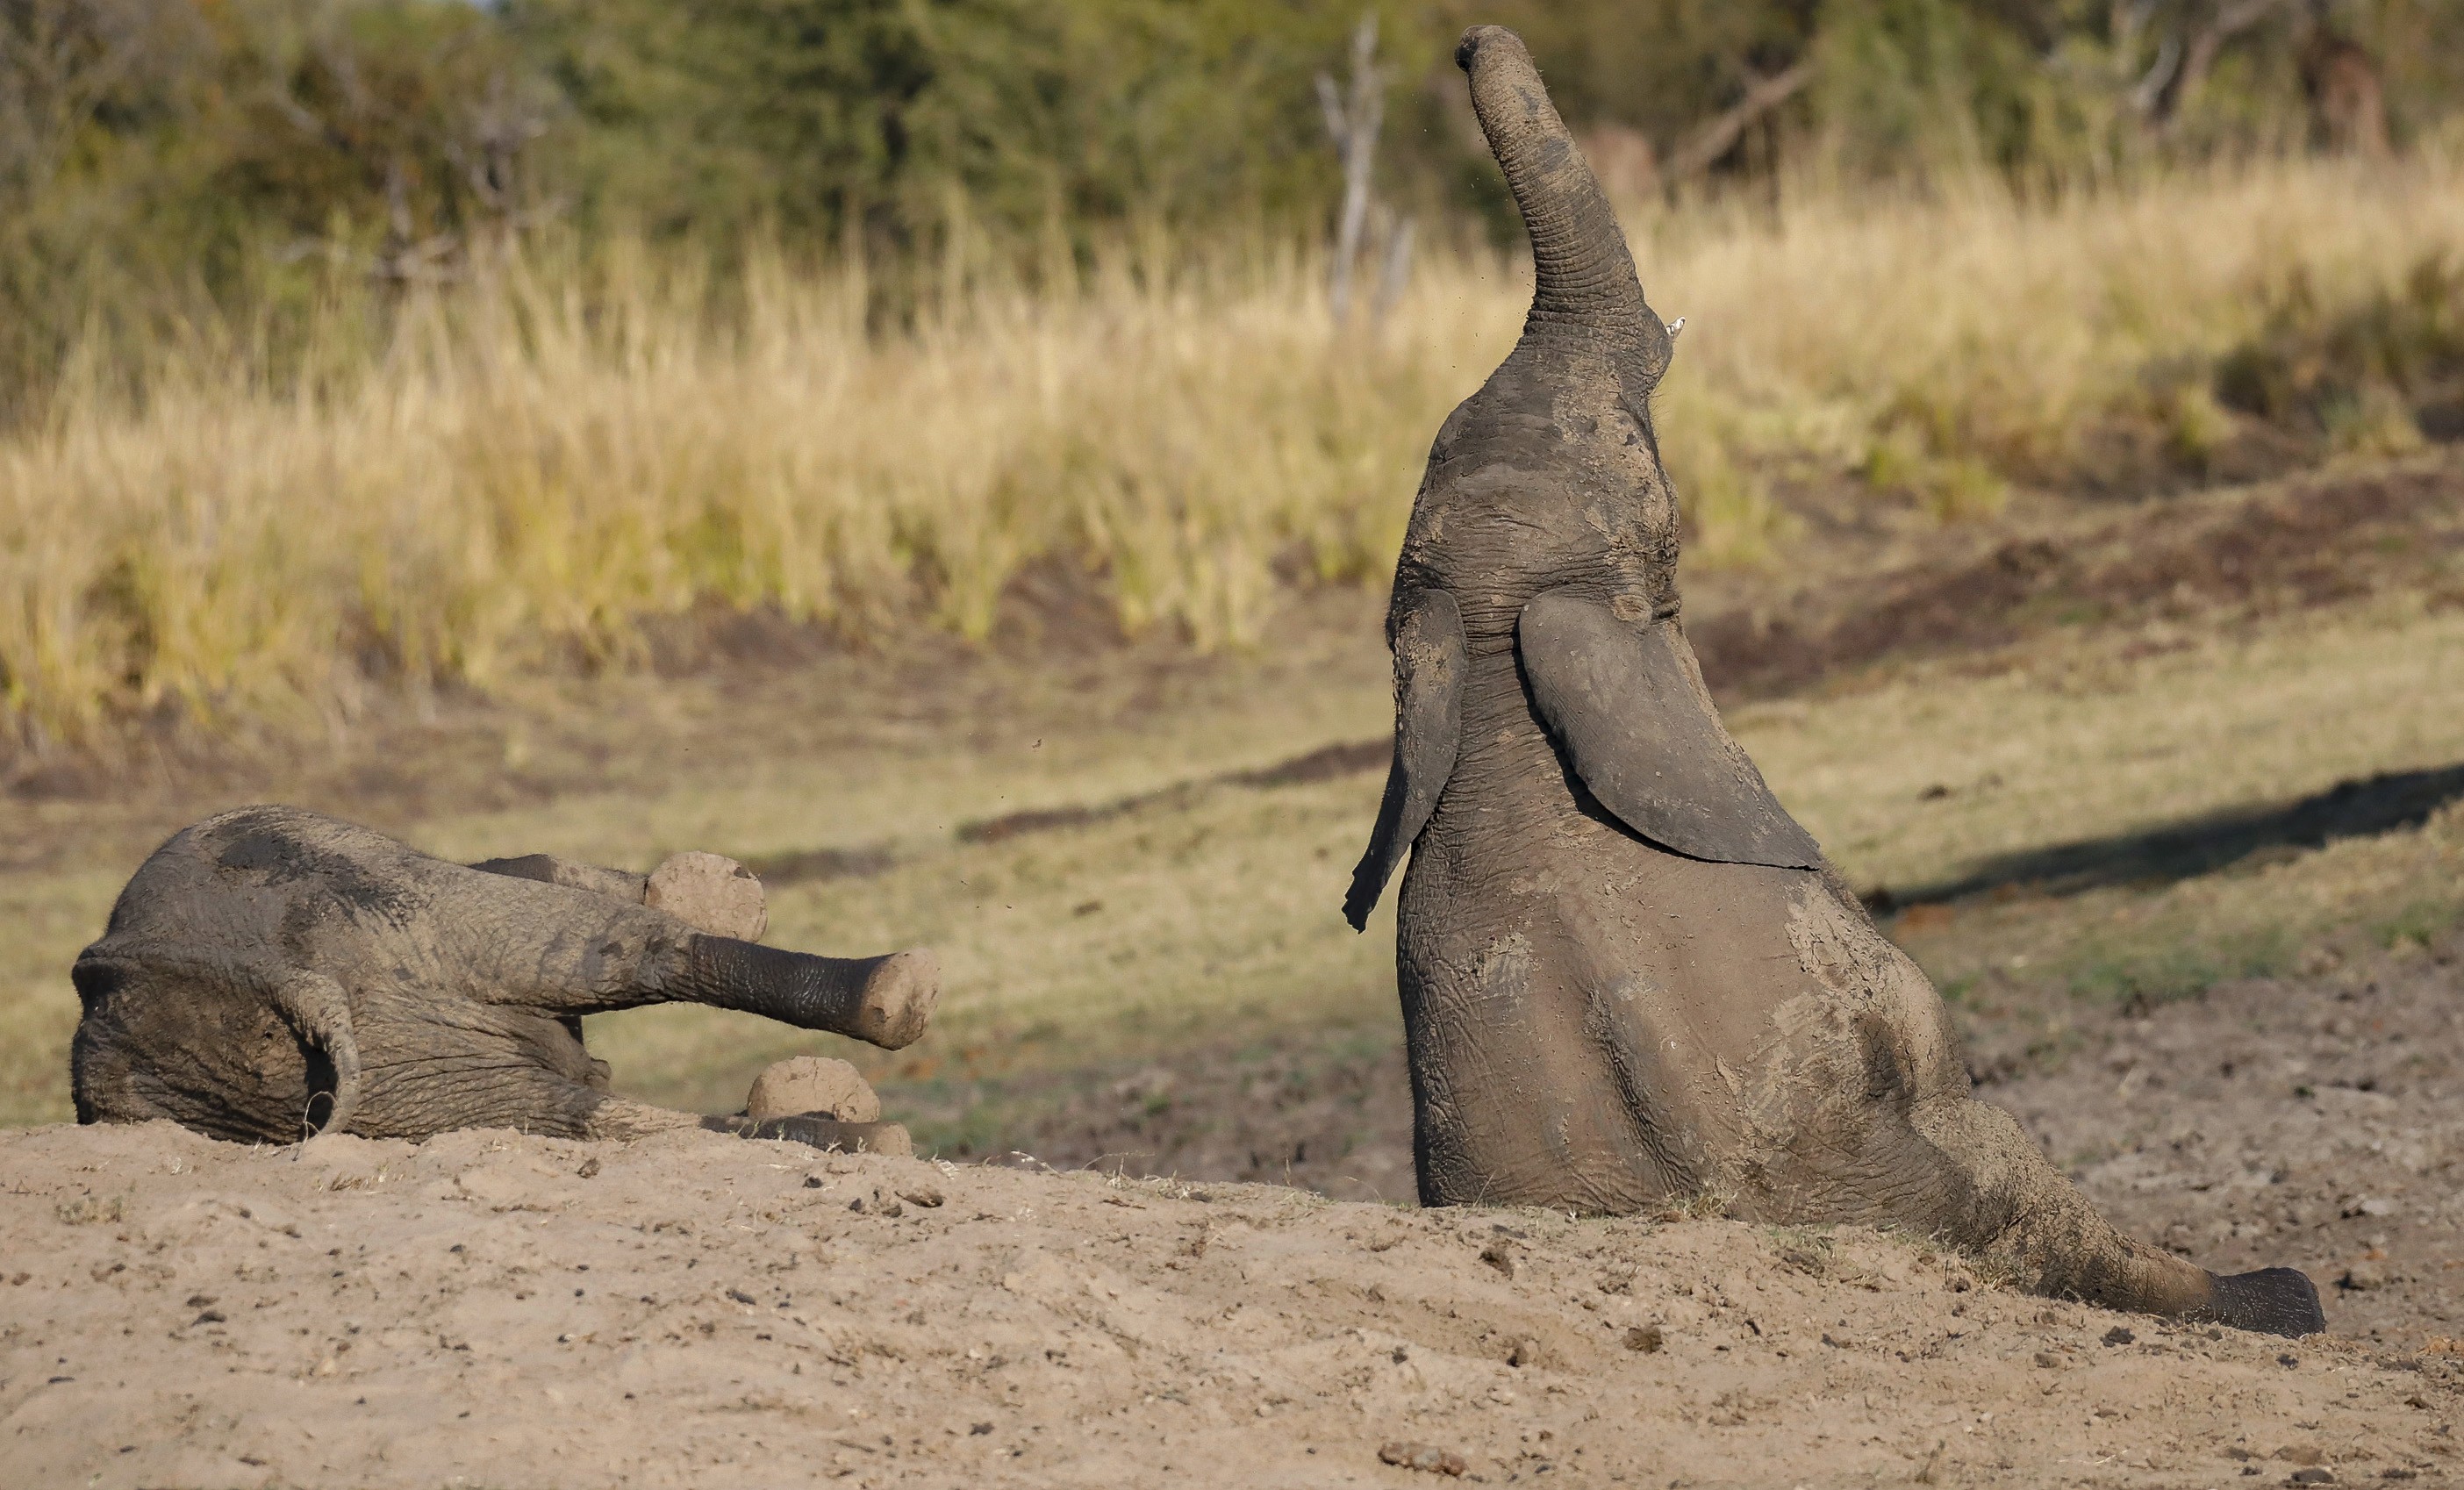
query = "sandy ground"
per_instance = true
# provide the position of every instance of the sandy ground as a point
(2314, 1122)
(2311, 1121)
(494, 1309)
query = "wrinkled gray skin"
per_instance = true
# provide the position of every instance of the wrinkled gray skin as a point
(1627, 975)
(270, 973)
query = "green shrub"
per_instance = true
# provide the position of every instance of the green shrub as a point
(2355, 372)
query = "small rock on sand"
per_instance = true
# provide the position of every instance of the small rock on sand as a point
(1423, 1457)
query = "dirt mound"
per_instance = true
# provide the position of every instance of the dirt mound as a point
(508, 1310)
(2308, 1121)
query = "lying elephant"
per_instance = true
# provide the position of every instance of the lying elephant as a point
(272, 972)
(1627, 973)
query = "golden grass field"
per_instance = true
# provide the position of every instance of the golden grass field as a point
(545, 455)
(374, 599)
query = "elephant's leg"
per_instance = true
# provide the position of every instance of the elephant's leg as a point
(552, 950)
(624, 1117)
(710, 891)
(2029, 1216)
(1873, 1072)
(549, 870)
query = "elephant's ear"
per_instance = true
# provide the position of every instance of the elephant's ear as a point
(1627, 704)
(1430, 659)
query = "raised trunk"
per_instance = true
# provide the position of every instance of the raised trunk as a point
(1583, 278)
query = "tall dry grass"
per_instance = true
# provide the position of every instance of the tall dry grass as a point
(540, 458)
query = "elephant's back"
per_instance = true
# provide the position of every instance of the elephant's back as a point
(1600, 903)
(267, 874)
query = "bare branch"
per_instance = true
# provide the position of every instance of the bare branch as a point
(2176, 89)
(1330, 104)
(1353, 122)
(1716, 136)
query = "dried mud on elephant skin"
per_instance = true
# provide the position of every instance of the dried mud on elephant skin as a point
(1626, 973)
(695, 1310)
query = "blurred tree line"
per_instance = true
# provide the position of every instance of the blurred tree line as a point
(178, 170)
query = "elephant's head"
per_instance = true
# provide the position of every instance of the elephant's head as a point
(1551, 474)
(1539, 569)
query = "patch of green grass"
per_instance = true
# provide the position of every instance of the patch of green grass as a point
(2029, 957)
(2146, 977)
(2418, 923)
(47, 918)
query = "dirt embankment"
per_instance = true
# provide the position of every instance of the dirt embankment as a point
(2218, 557)
(490, 1308)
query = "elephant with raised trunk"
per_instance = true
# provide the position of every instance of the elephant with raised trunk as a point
(1627, 973)
(272, 972)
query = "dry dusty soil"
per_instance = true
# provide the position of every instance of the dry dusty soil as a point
(2314, 1122)
(490, 1308)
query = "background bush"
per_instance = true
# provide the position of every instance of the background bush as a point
(172, 170)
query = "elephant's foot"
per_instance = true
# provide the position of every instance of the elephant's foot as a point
(886, 1000)
(2273, 1301)
(897, 1003)
(812, 1087)
(711, 893)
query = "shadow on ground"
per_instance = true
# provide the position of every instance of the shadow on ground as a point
(2381, 803)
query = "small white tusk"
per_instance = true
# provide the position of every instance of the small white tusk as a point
(1676, 326)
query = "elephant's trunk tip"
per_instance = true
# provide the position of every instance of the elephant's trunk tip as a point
(1476, 38)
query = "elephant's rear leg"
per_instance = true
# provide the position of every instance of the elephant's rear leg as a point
(2023, 1213)
(708, 892)
(1884, 1065)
